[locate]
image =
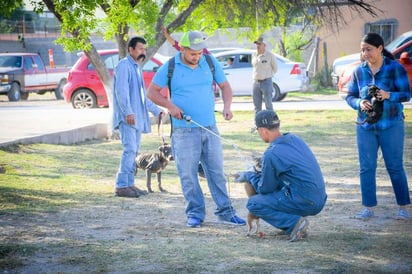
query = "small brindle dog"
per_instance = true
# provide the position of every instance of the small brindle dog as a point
(373, 115)
(154, 163)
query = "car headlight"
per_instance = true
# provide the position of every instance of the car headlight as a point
(4, 79)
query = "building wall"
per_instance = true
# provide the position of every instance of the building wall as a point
(347, 39)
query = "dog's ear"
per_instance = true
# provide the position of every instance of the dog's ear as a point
(256, 158)
(163, 146)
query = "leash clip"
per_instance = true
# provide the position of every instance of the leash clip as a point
(188, 118)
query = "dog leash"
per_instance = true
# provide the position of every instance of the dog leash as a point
(239, 150)
(190, 120)
(159, 126)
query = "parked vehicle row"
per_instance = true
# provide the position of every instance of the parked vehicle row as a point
(218, 50)
(22, 73)
(290, 76)
(84, 89)
(403, 54)
(340, 64)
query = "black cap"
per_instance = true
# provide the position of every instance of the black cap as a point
(267, 118)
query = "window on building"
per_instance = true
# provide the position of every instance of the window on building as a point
(387, 29)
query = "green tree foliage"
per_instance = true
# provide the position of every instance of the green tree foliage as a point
(116, 19)
(5, 27)
(8, 6)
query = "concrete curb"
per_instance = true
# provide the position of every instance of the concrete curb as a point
(72, 136)
(66, 137)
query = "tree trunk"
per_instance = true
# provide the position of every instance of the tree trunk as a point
(106, 79)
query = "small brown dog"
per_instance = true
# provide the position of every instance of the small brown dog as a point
(250, 191)
(154, 163)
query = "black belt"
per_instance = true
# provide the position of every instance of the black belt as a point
(262, 80)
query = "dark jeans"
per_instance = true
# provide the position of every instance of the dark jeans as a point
(391, 142)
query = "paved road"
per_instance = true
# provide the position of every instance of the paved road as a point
(49, 121)
(42, 119)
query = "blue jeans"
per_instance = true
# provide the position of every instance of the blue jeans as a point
(284, 208)
(262, 89)
(130, 138)
(391, 142)
(189, 146)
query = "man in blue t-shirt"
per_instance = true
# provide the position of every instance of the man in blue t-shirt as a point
(290, 185)
(196, 138)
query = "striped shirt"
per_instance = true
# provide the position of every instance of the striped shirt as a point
(392, 78)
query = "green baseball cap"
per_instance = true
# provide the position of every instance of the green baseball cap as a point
(194, 40)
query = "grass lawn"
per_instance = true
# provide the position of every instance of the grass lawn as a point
(58, 213)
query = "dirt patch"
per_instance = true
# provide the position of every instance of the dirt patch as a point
(101, 238)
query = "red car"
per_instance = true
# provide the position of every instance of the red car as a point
(84, 89)
(402, 54)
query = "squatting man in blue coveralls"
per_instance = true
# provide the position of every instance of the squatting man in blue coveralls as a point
(290, 185)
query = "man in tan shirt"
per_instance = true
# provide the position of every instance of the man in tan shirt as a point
(264, 67)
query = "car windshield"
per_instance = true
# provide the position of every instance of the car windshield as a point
(150, 66)
(10, 61)
(162, 58)
(399, 41)
(282, 59)
(110, 60)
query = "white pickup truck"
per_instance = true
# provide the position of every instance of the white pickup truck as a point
(22, 73)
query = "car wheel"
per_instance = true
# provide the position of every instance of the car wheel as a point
(281, 97)
(24, 95)
(84, 98)
(14, 92)
(58, 92)
(275, 93)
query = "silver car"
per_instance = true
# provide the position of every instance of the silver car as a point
(290, 76)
